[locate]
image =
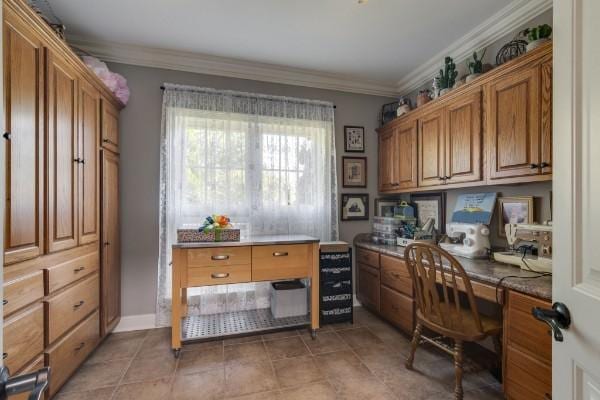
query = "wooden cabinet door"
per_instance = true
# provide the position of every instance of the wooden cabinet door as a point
(387, 167)
(368, 286)
(111, 256)
(432, 149)
(62, 154)
(24, 127)
(89, 171)
(406, 160)
(513, 139)
(546, 118)
(463, 139)
(110, 127)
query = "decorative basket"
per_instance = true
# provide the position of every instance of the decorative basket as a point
(190, 235)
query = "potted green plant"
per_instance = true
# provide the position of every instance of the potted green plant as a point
(447, 76)
(475, 66)
(537, 35)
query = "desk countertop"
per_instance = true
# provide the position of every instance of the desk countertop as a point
(261, 240)
(485, 271)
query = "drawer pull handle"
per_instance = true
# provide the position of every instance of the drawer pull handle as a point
(76, 306)
(76, 270)
(81, 346)
(4, 355)
(220, 275)
(396, 275)
(280, 254)
(4, 302)
(219, 258)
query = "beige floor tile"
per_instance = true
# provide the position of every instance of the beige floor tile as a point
(325, 342)
(341, 364)
(364, 317)
(361, 388)
(285, 348)
(359, 337)
(208, 385)
(98, 394)
(242, 339)
(380, 359)
(246, 352)
(158, 341)
(149, 368)
(312, 391)
(153, 390)
(194, 346)
(247, 378)
(191, 362)
(272, 395)
(345, 325)
(413, 385)
(487, 393)
(296, 371)
(390, 334)
(96, 376)
(280, 334)
(116, 347)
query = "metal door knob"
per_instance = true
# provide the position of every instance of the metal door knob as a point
(557, 318)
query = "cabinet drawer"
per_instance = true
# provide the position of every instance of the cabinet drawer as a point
(368, 286)
(65, 356)
(218, 275)
(526, 332)
(69, 307)
(367, 257)
(23, 291)
(526, 377)
(23, 337)
(281, 262)
(394, 274)
(397, 308)
(68, 272)
(218, 256)
(33, 366)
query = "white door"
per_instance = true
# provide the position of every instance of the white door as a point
(576, 192)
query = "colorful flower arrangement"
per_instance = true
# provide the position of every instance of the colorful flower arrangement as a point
(213, 222)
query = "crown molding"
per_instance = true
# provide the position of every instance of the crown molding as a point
(221, 66)
(504, 22)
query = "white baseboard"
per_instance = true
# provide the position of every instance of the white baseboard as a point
(136, 323)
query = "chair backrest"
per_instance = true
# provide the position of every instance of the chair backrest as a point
(428, 265)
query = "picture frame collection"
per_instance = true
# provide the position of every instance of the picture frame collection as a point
(354, 206)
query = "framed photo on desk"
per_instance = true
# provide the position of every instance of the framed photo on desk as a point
(430, 205)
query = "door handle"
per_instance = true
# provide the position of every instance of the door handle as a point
(557, 318)
(544, 165)
(219, 258)
(280, 254)
(221, 275)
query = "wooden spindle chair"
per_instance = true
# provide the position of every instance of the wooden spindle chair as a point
(439, 307)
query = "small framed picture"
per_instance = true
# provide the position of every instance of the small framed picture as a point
(355, 206)
(514, 210)
(385, 207)
(355, 172)
(354, 139)
(431, 205)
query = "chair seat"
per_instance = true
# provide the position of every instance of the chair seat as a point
(460, 324)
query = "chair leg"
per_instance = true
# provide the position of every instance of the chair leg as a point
(458, 369)
(413, 346)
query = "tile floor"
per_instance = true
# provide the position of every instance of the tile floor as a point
(360, 361)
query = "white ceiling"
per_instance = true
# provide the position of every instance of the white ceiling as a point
(381, 40)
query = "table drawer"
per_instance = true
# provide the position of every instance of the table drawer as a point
(281, 262)
(367, 257)
(398, 309)
(69, 307)
(218, 275)
(23, 291)
(23, 337)
(526, 377)
(68, 272)
(65, 356)
(33, 366)
(219, 256)
(526, 332)
(394, 274)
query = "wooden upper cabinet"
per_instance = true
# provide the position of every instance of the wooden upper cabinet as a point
(111, 266)
(546, 117)
(387, 154)
(24, 125)
(463, 139)
(513, 132)
(406, 162)
(89, 171)
(62, 154)
(110, 127)
(432, 149)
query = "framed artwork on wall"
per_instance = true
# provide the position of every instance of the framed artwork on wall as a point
(354, 139)
(430, 205)
(355, 172)
(385, 207)
(355, 206)
(514, 210)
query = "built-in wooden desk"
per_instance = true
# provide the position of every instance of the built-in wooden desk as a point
(260, 258)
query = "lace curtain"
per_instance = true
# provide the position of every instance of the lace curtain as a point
(268, 162)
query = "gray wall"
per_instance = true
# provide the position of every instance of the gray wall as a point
(140, 137)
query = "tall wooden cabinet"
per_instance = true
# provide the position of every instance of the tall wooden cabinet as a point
(55, 263)
(398, 157)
